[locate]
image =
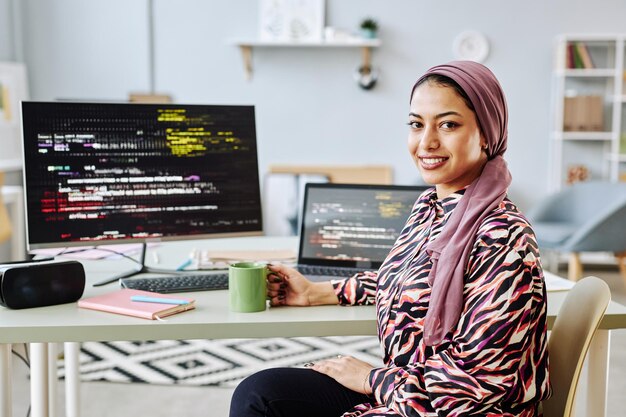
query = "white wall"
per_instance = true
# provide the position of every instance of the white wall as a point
(309, 110)
(6, 47)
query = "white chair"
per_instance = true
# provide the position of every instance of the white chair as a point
(571, 335)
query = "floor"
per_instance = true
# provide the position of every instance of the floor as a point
(108, 400)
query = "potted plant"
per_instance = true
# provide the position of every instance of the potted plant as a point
(368, 27)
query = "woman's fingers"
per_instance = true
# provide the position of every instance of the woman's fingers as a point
(280, 268)
(274, 278)
(275, 293)
(332, 366)
(276, 285)
(283, 272)
(278, 300)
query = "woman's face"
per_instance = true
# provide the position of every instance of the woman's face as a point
(444, 138)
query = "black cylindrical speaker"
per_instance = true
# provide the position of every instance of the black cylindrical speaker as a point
(39, 284)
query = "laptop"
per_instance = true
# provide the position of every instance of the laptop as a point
(350, 228)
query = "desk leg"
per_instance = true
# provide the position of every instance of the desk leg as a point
(72, 379)
(5, 380)
(53, 379)
(39, 379)
(598, 377)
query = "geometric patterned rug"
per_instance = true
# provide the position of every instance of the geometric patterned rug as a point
(222, 362)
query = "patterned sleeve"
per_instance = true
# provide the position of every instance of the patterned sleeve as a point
(497, 352)
(357, 290)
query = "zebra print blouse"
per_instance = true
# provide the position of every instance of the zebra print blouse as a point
(495, 363)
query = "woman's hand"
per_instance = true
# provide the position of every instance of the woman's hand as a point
(350, 372)
(286, 286)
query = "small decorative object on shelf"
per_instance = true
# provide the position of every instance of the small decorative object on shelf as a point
(369, 28)
(333, 34)
(577, 173)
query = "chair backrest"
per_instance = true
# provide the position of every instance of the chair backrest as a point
(577, 203)
(571, 335)
(600, 233)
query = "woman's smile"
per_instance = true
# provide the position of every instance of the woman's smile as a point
(432, 162)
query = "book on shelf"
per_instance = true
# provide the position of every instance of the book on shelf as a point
(571, 61)
(578, 56)
(121, 302)
(584, 54)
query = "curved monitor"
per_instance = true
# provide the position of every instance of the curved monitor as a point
(98, 173)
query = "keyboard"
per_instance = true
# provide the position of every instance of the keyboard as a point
(178, 283)
(333, 271)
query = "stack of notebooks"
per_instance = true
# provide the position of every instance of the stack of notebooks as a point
(137, 303)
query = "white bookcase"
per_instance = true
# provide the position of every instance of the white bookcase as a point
(589, 130)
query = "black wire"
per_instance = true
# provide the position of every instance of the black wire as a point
(26, 361)
(68, 251)
(23, 358)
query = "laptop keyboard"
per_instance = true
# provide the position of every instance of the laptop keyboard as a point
(217, 281)
(333, 271)
(178, 283)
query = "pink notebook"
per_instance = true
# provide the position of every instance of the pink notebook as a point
(119, 302)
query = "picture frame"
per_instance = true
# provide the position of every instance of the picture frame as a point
(291, 20)
(13, 90)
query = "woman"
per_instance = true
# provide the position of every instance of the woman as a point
(460, 299)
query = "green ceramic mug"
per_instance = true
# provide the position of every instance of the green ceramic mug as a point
(247, 288)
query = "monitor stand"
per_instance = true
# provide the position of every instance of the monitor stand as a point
(141, 269)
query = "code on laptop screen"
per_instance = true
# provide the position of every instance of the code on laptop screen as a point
(354, 223)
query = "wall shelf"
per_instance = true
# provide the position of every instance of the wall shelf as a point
(591, 136)
(618, 157)
(593, 72)
(246, 47)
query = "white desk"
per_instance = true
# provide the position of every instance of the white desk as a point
(12, 195)
(211, 320)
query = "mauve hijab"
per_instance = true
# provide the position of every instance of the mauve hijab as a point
(450, 251)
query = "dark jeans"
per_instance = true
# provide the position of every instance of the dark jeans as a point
(292, 392)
